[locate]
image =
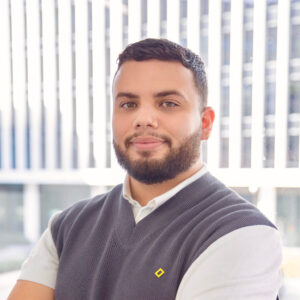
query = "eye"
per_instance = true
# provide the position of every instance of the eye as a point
(127, 105)
(169, 104)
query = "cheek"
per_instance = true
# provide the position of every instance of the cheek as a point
(181, 127)
(119, 127)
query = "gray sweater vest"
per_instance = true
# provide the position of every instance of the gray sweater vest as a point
(105, 255)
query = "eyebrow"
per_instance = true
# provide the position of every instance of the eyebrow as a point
(156, 95)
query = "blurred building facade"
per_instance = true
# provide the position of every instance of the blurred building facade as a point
(57, 62)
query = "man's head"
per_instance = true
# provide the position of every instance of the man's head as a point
(157, 126)
(165, 50)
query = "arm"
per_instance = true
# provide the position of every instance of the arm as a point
(27, 290)
(244, 264)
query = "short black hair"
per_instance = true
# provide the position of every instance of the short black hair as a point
(165, 50)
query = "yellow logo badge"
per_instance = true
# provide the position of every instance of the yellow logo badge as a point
(159, 272)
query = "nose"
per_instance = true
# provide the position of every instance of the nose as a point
(145, 117)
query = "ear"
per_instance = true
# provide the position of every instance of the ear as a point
(208, 116)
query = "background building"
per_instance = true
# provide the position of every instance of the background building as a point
(57, 62)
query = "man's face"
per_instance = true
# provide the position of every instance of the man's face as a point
(156, 119)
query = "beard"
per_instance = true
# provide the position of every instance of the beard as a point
(151, 170)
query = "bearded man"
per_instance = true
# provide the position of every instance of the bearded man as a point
(171, 230)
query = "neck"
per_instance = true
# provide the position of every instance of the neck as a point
(143, 193)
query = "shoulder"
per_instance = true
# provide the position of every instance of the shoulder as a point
(81, 211)
(220, 212)
(249, 257)
(228, 207)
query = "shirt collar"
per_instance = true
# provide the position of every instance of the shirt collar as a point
(159, 200)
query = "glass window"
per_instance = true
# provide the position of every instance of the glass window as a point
(248, 3)
(144, 18)
(248, 46)
(204, 48)
(125, 23)
(28, 143)
(163, 18)
(244, 192)
(248, 18)
(183, 24)
(225, 49)
(269, 151)
(272, 2)
(270, 98)
(226, 4)
(293, 151)
(58, 197)
(183, 9)
(11, 211)
(246, 152)
(294, 101)
(295, 11)
(224, 153)
(271, 43)
(204, 7)
(107, 18)
(90, 16)
(13, 244)
(224, 101)
(288, 215)
(163, 10)
(247, 100)
(295, 41)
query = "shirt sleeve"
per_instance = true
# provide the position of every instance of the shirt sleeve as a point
(42, 263)
(244, 264)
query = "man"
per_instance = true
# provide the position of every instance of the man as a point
(172, 230)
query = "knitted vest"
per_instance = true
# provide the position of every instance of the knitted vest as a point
(105, 255)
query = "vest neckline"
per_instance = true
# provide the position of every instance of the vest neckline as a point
(129, 233)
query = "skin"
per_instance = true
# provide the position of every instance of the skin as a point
(150, 115)
(27, 290)
(146, 114)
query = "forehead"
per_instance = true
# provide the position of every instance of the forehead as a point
(153, 75)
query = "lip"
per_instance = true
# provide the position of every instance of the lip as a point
(146, 139)
(147, 146)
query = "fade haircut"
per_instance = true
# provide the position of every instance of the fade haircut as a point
(165, 50)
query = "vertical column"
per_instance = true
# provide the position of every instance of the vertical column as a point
(5, 86)
(214, 79)
(115, 50)
(18, 60)
(48, 41)
(282, 83)
(193, 25)
(258, 87)
(134, 21)
(153, 18)
(65, 77)
(82, 100)
(235, 85)
(34, 80)
(173, 20)
(99, 83)
(31, 212)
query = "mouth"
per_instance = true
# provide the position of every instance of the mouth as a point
(142, 146)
